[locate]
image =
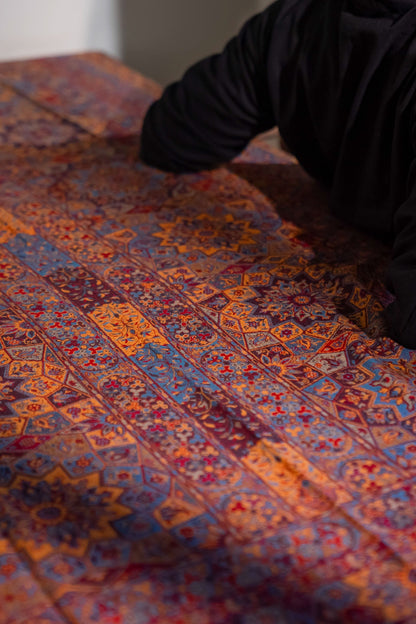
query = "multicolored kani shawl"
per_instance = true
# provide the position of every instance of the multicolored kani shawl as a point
(201, 420)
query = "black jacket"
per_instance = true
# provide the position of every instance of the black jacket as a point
(338, 77)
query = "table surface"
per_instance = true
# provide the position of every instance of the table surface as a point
(200, 418)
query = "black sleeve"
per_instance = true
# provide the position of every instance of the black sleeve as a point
(221, 103)
(401, 274)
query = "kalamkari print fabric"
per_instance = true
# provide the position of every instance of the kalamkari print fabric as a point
(201, 418)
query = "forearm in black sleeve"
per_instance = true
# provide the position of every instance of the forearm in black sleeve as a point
(401, 275)
(221, 103)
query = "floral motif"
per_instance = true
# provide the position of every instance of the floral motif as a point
(208, 233)
(57, 513)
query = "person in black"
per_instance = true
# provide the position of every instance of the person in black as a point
(338, 77)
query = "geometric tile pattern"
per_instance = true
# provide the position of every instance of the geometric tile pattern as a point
(201, 419)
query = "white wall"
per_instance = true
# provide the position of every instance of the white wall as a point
(161, 38)
(30, 28)
(158, 37)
